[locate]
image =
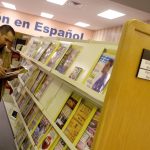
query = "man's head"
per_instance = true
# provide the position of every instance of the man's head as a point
(7, 35)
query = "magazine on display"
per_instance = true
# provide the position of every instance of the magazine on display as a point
(100, 75)
(86, 140)
(75, 73)
(56, 56)
(60, 145)
(77, 121)
(68, 58)
(40, 130)
(66, 112)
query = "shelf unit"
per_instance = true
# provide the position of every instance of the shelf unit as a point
(76, 86)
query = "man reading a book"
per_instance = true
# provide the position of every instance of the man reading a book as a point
(7, 35)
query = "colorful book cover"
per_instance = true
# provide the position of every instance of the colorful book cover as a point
(57, 55)
(75, 73)
(77, 121)
(48, 52)
(49, 140)
(68, 58)
(43, 47)
(41, 129)
(100, 75)
(65, 112)
(87, 138)
(60, 145)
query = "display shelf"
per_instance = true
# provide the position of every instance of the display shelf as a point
(60, 132)
(40, 65)
(21, 81)
(86, 92)
(16, 144)
(80, 88)
(26, 128)
(9, 82)
(34, 99)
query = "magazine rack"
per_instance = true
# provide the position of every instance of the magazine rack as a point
(55, 96)
(125, 122)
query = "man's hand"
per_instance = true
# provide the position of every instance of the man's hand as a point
(2, 71)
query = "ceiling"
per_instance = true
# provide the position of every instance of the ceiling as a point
(87, 11)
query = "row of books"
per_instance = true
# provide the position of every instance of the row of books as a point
(78, 120)
(61, 55)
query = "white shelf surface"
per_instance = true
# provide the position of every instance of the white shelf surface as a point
(86, 92)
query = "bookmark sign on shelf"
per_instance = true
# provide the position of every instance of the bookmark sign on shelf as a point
(144, 68)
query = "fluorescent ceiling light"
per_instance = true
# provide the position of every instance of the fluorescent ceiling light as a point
(47, 15)
(82, 24)
(58, 2)
(111, 14)
(9, 5)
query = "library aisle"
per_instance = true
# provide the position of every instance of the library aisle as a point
(6, 138)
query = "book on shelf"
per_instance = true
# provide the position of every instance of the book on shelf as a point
(41, 130)
(41, 49)
(46, 55)
(75, 73)
(42, 86)
(25, 144)
(32, 113)
(86, 140)
(67, 109)
(57, 54)
(100, 74)
(77, 121)
(49, 140)
(37, 81)
(34, 122)
(68, 58)
(60, 145)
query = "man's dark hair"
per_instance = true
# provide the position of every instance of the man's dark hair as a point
(4, 29)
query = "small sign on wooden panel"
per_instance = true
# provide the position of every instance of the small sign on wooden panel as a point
(144, 68)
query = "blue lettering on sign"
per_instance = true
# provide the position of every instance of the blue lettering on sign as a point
(55, 32)
(18, 22)
(38, 26)
(4, 19)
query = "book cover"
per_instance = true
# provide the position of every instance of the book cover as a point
(43, 47)
(75, 73)
(37, 81)
(25, 144)
(68, 58)
(77, 121)
(49, 140)
(40, 130)
(48, 52)
(87, 138)
(57, 55)
(100, 75)
(65, 112)
(60, 145)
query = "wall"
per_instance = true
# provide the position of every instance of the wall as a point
(38, 26)
(109, 35)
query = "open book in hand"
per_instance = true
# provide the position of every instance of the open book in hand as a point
(13, 72)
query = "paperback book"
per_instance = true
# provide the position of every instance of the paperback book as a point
(100, 75)
(75, 73)
(57, 55)
(49, 140)
(40, 130)
(48, 52)
(60, 145)
(68, 58)
(77, 121)
(66, 112)
(86, 140)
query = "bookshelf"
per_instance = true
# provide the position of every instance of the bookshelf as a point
(60, 87)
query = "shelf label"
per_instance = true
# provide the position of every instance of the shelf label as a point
(144, 67)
